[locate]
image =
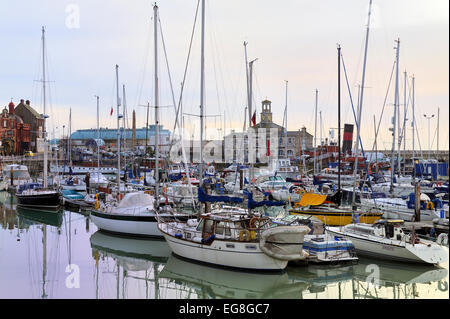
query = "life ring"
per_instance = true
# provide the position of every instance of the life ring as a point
(430, 205)
(442, 239)
(244, 235)
(254, 221)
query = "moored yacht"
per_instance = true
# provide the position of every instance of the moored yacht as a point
(231, 237)
(386, 239)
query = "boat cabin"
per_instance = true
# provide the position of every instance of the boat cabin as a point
(390, 229)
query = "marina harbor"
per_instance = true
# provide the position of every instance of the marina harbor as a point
(307, 176)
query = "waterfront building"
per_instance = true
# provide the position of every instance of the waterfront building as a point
(35, 120)
(14, 133)
(297, 141)
(139, 137)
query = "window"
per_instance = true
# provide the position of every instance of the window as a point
(219, 228)
(208, 228)
(5, 124)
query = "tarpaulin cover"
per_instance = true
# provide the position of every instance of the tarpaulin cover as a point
(203, 197)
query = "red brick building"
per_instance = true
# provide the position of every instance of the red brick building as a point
(14, 133)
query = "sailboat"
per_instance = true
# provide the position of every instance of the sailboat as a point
(37, 197)
(135, 213)
(330, 213)
(385, 239)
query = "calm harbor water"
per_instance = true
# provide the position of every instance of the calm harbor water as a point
(63, 255)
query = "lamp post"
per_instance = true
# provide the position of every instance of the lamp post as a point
(429, 145)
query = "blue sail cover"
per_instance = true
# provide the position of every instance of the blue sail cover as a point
(203, 198)
(253, 204)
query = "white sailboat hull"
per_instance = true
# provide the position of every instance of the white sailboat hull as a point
(394, 249)
(129, 225)
(244, 255)
(395, 210)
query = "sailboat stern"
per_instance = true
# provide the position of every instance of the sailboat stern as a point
(429, 252)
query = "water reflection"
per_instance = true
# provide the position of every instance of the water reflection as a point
(136, 264)
(213, 282)
(36, 248)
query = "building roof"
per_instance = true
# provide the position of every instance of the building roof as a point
(111, 134)
(30, 109)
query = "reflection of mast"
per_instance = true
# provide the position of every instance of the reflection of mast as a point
(44, 259)
(155, 275)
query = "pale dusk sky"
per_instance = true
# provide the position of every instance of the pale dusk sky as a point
(294, 40)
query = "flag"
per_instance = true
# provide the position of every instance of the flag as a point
(254, 119)
(111, 113)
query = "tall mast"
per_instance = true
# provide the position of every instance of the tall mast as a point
(155, 18)
(44, 98)
(118, 128)
(315, 134)
(249, 99)
(70, 137)
(437, 140)
(285, 121)
(202, 89)
(98, 140)
(339, 121)
(320, 139)
(399, 136)
(404, 123)
(124, 120)
(394, 121)
(360, 108)
(412, 123)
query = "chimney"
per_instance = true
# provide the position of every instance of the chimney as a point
(348, 139)
(11, 108)
(27, 102)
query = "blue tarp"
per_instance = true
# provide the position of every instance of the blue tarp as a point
(203, 198)
(253, 204)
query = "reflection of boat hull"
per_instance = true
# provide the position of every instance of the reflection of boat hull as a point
(338, 218)
(396, 273)
(42, 217)
(127, 224)
(242, 255)
(226, 283)
(148, 249)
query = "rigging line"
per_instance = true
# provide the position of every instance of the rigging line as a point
(406, 111)
(186, 66)
(176, 117)
(384, 105)
(360, 140)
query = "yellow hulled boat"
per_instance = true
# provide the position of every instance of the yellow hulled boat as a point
(310, 204)
(338, 217)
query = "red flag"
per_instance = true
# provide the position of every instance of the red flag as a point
(254, 119)
(111, 111)
(268, 147)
